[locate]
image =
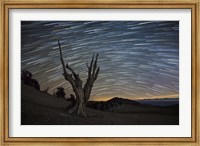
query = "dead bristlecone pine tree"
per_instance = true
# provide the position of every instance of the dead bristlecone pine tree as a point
(81, 92)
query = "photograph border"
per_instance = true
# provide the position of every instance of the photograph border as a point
(100, 4)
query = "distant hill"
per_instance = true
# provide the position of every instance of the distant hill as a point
(160, 102)
(118, 100)
(116, 104)
(113, 104)
(123, 105)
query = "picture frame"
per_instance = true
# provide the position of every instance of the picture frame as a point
(7, 5)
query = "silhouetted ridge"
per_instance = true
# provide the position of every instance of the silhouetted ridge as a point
(111, 104)
(122, 101)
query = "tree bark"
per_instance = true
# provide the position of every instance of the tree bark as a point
(82, 93)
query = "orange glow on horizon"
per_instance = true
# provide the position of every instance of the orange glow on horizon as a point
(136, 98)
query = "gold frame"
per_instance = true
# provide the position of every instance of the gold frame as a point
(145, 4)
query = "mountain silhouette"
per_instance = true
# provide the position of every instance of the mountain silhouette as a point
(112, 104)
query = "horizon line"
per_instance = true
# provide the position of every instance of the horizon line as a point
(172, 96)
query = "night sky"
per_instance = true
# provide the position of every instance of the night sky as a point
(137, 59)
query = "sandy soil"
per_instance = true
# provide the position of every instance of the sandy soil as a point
(42, 109)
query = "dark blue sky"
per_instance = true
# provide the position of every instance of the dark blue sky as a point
(137, 59)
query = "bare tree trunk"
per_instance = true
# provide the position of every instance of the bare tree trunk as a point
(82, 93)
(81, 108)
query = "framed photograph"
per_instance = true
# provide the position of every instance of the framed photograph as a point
(104, 72)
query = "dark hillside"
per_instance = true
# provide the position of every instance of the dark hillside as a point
(38, 108)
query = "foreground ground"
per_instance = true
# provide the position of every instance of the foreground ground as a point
(42, 109)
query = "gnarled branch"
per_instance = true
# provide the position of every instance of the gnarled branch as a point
(76, 81)
(93, 72)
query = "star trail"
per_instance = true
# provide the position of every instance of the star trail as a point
(137, 59)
